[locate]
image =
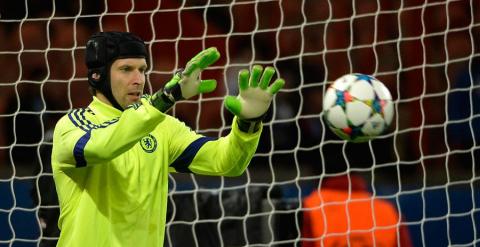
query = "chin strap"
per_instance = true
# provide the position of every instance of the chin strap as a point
(108, 94)
(100, 80)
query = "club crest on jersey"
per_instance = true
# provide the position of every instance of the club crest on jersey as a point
(149, 143)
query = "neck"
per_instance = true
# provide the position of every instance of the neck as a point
(104, 99)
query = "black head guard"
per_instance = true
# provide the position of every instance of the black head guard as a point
(102, 50)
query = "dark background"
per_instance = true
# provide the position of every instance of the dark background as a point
(426, 53)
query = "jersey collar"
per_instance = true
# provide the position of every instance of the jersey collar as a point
(103, 110)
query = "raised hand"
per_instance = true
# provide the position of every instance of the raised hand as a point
(186, 83)
(188, 79)
(256, 93)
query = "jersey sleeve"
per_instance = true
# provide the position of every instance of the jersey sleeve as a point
(79, 142)
(225, 156)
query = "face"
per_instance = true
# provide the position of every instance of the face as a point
(127, 78)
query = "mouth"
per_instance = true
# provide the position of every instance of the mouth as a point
(135, 96)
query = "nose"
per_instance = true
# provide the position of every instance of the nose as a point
(139, 77)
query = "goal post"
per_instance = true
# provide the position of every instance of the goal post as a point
(424, 166)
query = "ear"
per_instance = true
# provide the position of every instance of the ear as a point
(96, 76)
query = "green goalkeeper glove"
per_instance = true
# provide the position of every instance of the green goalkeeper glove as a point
(255, 96)
(186, 83)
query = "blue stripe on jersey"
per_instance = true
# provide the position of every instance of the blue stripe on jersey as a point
(78, 150)
(90, 111)
(105, 124)
(72, 117)
(183, 161)
(84, 119)
(78, 118)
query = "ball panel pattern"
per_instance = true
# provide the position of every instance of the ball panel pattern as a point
(337, 118)
(358, 107)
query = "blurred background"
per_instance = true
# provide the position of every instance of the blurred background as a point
(426, 52)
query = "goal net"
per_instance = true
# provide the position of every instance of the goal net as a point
(423, 168)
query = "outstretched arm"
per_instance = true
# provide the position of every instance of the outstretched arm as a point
(230, 155)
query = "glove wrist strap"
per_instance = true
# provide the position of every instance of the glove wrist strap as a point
(174, 92)
(162, 101)
(249, 125)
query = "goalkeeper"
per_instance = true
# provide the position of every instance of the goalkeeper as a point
(111, 160)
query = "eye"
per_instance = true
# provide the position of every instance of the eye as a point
(125, 68)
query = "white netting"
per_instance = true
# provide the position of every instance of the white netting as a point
(426, 53)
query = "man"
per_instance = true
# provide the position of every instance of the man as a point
(111, 160)
(344, 213)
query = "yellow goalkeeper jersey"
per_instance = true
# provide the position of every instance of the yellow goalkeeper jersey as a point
(111, 170)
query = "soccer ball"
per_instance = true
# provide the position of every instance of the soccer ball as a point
(358, 107)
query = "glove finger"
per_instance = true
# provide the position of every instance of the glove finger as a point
(210, 56)
(207, 86)
(233, 105)
(276, 86)
(243, 79)
(175, 79)
(189, 68)
(266, 77)
(202, 60)
(255, 76)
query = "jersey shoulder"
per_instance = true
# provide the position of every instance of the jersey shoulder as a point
(82, 118)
